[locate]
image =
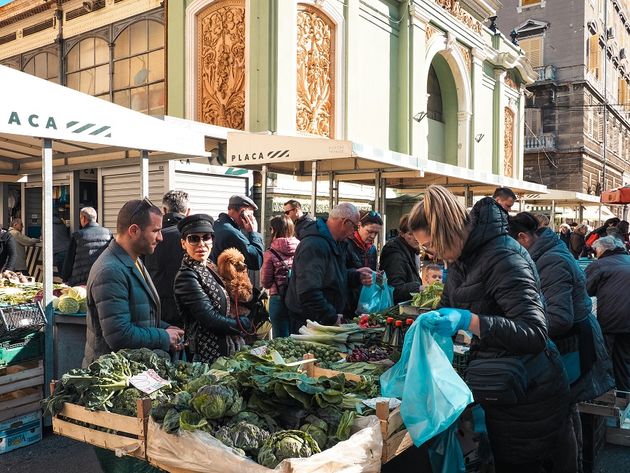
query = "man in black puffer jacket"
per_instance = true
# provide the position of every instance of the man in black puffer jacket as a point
(319, 282)
(399, 260)
(495, 279)
(608, 279)
(166, 260)
(85, 247)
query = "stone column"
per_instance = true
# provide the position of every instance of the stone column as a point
(477, 105)
(285, 65)
(352, 61)
(463, 138)
(519, 159)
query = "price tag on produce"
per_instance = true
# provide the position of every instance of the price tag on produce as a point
(259, 351)
(148, 381)
(393, 402)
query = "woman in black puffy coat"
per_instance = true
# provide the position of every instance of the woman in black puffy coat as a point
(493, 291)
(571, 324)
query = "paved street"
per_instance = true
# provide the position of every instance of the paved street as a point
(59, 454)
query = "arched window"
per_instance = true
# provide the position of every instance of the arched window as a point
(139, 67)
(87, 67)
(434, 104)
(44, 66)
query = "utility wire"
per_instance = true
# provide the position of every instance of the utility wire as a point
(541, 148)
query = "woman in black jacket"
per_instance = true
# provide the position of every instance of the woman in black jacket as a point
(201, 298)
(399, 260)
(571, 325)
(493, 291)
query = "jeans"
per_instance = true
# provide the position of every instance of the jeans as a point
(279, 315)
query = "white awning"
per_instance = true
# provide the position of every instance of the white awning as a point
(83, 128)
(562, 197)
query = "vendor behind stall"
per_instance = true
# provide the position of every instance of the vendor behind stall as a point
(123, 308)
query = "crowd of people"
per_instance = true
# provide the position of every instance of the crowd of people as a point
(185, 283)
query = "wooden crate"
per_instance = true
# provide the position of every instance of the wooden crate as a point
(616, 405)
(21, 388)
(394, 443)
(131, 436)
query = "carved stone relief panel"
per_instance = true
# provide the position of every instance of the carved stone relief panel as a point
(508, 163)
(453, 7)
(315, 72)
(430, 31)
(221, 64)
(510, 82)
(465, 52)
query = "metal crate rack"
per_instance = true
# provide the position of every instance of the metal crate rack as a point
(17, 321)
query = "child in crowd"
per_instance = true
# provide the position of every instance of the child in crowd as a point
(431, 273)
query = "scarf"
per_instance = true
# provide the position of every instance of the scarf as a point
(208, 343)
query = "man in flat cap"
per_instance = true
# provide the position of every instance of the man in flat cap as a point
(238, 229)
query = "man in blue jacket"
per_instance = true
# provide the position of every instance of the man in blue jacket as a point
(318, 288)
(123, 305)
(238, 229)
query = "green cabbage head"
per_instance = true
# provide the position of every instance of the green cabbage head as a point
(217, 401)
(286, 444)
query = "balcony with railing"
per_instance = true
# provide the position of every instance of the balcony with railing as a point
(543, 142)
(547, 72)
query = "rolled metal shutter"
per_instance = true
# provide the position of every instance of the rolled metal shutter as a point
(209, 193)
(119, 188)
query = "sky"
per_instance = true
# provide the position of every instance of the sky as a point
(4, 2)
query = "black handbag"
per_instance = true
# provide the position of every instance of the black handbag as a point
(504, 380)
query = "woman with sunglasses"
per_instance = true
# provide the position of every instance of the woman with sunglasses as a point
(361, 251)
(492, 290)
(201, 297)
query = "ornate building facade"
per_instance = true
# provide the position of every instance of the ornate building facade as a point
(421, 77)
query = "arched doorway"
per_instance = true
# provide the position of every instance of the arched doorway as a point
(442, 112)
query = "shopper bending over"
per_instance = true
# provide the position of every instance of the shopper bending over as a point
(399, 260)
(201, 297)
(492, 290)
(570, 325)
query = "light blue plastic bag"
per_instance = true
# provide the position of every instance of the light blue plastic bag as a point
(432, 393)
(445, 454)
(376, 297)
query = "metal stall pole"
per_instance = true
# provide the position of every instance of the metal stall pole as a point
(144, 174)
(377, 191)
(314, 188)
(383, 212)
(331, 190)
(263, 202)
(47, 260)
(553, 215)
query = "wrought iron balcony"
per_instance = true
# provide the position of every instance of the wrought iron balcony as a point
(546, 72)
(545, 141)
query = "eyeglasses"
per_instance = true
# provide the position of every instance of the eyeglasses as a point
(371, 214)
(355, 226)
(195, 240)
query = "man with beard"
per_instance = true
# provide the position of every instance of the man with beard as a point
(123, 304)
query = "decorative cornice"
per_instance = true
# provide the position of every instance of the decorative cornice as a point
(456, 10)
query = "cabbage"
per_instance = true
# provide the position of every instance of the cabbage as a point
(217, 401)
(171, 421)
(68, 305)
(189, 420)
(55, 302)
(286, 444)
(77, 292)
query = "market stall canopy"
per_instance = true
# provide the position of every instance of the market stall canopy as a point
(357, 162)
(83, 128)
(561, 197)
(287, 155)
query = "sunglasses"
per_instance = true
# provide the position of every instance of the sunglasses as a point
(143, 204)
(197, 239)
(371, 214)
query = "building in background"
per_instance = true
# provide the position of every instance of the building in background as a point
(577, 134)
(421, 77)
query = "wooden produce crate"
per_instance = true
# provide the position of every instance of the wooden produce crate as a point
(395, 441)
(616, 405)
(21, 388)
(130, 436)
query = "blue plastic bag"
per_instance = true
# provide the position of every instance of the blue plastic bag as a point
(376, 297)
(432, 393)
(445, 454)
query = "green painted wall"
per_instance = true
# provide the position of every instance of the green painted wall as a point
(176, 58)
(262, 75)
(443, 140)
